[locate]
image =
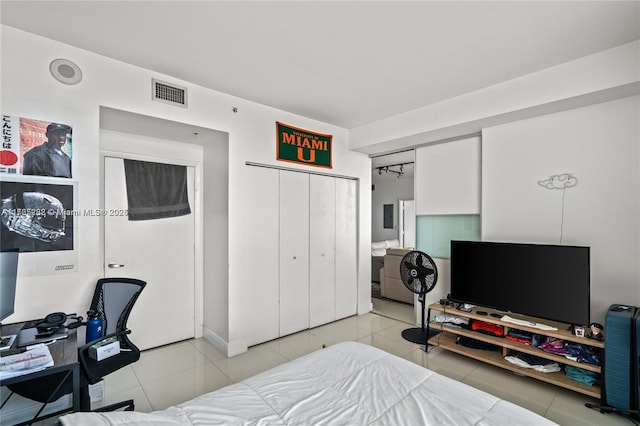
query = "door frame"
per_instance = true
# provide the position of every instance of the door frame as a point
(198, 302)
(402, 223)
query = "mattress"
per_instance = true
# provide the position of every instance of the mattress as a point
(347, 383)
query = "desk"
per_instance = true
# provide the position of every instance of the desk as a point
(65, 360)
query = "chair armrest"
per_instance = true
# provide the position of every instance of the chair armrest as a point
(108, 336)
(95, 370)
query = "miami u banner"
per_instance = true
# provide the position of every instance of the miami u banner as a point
(302, 146)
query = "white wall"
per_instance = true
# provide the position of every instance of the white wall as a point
(389, 189)
(607, 75)
(28, 90)
(599, 145)
(448, 178)
(552, 95)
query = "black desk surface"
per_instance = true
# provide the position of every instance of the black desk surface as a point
(64, 352)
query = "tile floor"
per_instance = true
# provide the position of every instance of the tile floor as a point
(178, 372)
(395, 310)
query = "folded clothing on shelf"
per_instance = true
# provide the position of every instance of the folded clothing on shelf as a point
(450, 319)
(520, 334)
(536, 363)
(533, 359)
(518, 339)
(475, 344)
(583, 353)
(488, 328)
(581, 375)
(554, 346)
(572, 350)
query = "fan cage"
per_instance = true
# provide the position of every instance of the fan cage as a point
(418, 272)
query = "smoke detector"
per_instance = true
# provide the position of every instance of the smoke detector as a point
(65, 71)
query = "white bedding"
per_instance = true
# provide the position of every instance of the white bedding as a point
(344, 384)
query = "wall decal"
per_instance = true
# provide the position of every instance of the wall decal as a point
(565, 180)
(562, 181)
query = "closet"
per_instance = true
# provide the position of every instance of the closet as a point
(307, 224)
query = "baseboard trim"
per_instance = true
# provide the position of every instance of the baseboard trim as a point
(228, 348)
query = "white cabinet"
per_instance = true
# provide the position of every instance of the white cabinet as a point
(303, 238)
(322, 236)
(294, 252)
(261, 282)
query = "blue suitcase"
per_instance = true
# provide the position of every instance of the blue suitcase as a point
(620, 367)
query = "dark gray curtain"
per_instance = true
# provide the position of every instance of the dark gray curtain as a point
(156, 190)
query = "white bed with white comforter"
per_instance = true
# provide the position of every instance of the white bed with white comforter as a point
(344, 384)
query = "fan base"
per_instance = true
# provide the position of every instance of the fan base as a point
(418, 335)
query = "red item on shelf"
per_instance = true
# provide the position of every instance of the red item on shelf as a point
(518, 339)
(487, 327)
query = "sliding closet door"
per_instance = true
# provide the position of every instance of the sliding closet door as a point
(346, 249)
(322, 231)
(260, 226)
(294, 252)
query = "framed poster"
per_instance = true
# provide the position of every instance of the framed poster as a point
(35, 147)
(37, 218)
(301, 146)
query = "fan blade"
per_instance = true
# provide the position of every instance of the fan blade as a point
(409, 265)
(410, 280)
(423, 271)
(423, 285)
(421, 259)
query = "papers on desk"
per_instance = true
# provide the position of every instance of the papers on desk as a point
(26, 362)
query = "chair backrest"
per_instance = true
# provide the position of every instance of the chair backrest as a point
(113, 300)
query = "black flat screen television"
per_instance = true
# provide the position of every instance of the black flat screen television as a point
(544, 281)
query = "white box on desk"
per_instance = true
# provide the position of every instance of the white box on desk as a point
(104, 349)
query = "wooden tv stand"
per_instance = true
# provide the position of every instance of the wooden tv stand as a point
(447, 340)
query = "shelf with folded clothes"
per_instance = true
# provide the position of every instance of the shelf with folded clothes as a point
(506, 345)
(563, 330)
(449, 342)
(493, 331)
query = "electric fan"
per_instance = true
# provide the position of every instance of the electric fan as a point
(419, 274)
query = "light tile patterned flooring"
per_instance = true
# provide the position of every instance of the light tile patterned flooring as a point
(178, 372)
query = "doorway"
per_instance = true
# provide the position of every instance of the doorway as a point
(160, 252)
(207, 150)
(392, 186)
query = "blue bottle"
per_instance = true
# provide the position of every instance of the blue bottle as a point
(94, 326)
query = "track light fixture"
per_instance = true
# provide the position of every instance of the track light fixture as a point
(389, 169)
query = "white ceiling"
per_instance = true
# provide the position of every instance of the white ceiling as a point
(345, 63)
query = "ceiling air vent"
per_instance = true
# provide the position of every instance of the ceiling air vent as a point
(169, 93)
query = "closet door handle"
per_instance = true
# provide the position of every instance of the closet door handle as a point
(116, 265)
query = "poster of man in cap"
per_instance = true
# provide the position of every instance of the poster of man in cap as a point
(35, 147)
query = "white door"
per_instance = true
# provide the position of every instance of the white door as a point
(294, 252)
(346, 249)
(260, 285)
(322, 231)
(160, 252)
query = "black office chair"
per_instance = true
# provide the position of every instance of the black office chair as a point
(113, 300)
